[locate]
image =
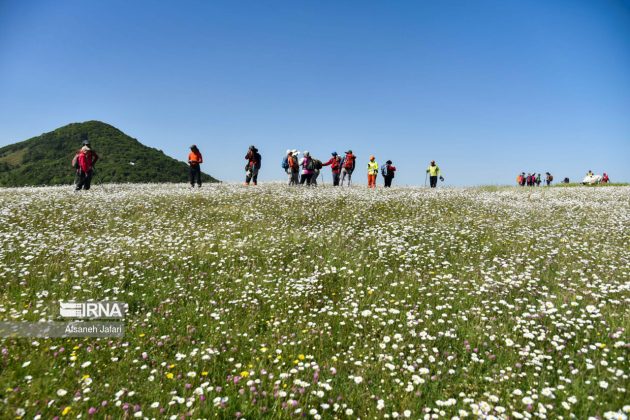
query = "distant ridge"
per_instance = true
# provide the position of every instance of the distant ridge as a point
(46, 159)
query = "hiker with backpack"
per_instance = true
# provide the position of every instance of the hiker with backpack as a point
(335, 166)
(388, 170)
(317, 167)
(253, 165)
(347, 167)
(434, 171)
(194, 161)
(548, 178)
(538, 180)
(308, 167)
(84, 161)
(605, 179)
(372, 168)
(294, 164)
(286, 165)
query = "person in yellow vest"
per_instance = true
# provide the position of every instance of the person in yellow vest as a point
(372, 168)
(434, 171)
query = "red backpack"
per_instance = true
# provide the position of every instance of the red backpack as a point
(348, 163)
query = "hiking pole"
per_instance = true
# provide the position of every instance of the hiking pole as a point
(425, 179)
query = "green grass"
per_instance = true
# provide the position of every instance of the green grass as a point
(278, 298)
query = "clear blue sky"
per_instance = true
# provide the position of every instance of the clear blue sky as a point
(487, 88)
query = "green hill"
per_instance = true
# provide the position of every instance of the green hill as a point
(46, 159)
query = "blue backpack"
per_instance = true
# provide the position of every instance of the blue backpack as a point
(285, 163)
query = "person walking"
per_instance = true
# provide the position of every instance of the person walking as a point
(548, 178)
(253, 165)
(335, 166)
(84, 161)
(294, 163)
(434, 171)
(372, 168)
(307, 168)
(347, 167)
(317, 167)
(194, 161)
(388, 172)
(538, 180)
(286, 165)
(605, 178)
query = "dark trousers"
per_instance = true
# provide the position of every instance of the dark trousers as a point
(306, 178)
(433, 181)
(83, 180)
(388, 181)
(195, 175)
(251, 176)
(335, 179)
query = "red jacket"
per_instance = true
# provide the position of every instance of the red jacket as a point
(86, 160)
(335, 161)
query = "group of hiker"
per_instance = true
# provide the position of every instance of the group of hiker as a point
(300, 171)
(306, 170)
(533, 179)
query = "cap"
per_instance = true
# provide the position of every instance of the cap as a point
(389, 162)
(288, 151)
(85, 142)
(349, 151)
(334, 153)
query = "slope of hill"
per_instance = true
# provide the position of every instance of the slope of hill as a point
(46, 159)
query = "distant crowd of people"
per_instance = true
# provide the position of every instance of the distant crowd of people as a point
(534, 180)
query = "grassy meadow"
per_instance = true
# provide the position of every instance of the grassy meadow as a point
(280, 302)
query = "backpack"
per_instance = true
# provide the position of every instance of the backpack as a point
(285, 163)
(317, 163)
(75, 161)
(550, 178)
(349, 161)
(310, 165)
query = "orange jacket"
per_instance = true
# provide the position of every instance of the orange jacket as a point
(195, 158)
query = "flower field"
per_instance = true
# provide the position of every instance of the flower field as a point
(320, 303)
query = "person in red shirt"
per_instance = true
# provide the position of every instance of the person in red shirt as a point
(335, 166)
(388, 173)
(195, 160)
(84, 161)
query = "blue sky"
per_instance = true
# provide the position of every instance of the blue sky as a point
(487, 88)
